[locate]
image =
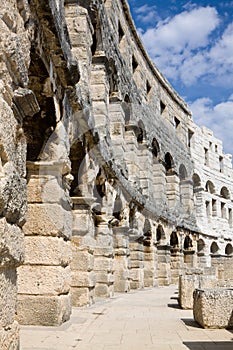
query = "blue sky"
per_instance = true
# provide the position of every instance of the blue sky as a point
(191, 42)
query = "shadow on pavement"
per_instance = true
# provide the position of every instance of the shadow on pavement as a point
(190, 322)
(203, 345)
(174, 306)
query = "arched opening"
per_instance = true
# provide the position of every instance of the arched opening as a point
(113, 78)
(182, 172)
(155, 148)
(141, 133)
(225, 193)
(214, 248)
(118, 206)
(147, 233)
(228, 249)
(188, 244)
(160, 234)
(196, 182)
(126, 106)
(200, 246)
(77, 155)
(168, 163)
(174, 242)
(210, 187)
(40, 126)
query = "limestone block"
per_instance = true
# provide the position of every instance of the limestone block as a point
(83, 279)
(49, 250)
(122, 286)
(43, 310)
(102, 290)
(9, 337)
(11, 244)
(212, 308)
(82, 223)
(48, 220)
(102, 277)
(8, 296)
(104, 251)
(81, 260)
(53, 280)
(13, 204)
(44, 189)
(103, 264)
(81, 296)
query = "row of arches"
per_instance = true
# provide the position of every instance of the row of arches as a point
(210, 187)
(214, 248)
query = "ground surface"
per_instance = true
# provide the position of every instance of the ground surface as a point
(142, 320)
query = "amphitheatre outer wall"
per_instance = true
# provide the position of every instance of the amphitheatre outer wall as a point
(124, 191)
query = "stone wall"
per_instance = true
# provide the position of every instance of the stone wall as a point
(118, 176)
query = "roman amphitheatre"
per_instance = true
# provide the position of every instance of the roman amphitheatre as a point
(107, 184)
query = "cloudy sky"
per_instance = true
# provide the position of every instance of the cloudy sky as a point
(191, 42)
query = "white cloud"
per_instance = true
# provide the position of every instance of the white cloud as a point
(146, 14)
(218, 118)
(184, 49)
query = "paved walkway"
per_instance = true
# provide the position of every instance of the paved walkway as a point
(142, 320)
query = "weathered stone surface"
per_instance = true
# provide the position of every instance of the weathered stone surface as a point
(50, 250)
(9, 337)
(212, 308)
(192, 279)
(8, 295)
(42, 280)
(11, 244)
(31, 310)
(48, 220)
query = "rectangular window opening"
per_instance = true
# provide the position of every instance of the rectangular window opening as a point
(162, 107)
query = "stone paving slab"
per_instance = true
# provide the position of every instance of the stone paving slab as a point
(142, 320)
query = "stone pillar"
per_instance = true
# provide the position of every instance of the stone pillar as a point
(164, 268)
(83, 245)
(121, 259)
(159, 182)
(145, 173)
(44, 279)
(150, 268)
(177, 264)
(136, 264)
(103, 258)
(117, 129)
(131, 154)
(186, 194)
(173, 193)
(100, 93)
(189, 258)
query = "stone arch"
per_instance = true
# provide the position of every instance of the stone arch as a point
(97, 40)
(228, 249)
(126, 106)
(77, 155)
(196, 182)
(113, 78)
(188, 243)
(118, 207)
(141, 132)
(174, 241)
(38, 126)
(147, 233)
(214, 248)
(210, 187)
(200, 246)
(155, 149)
(224, 192)
(168, 163)
(183, 174)
(160, 234)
